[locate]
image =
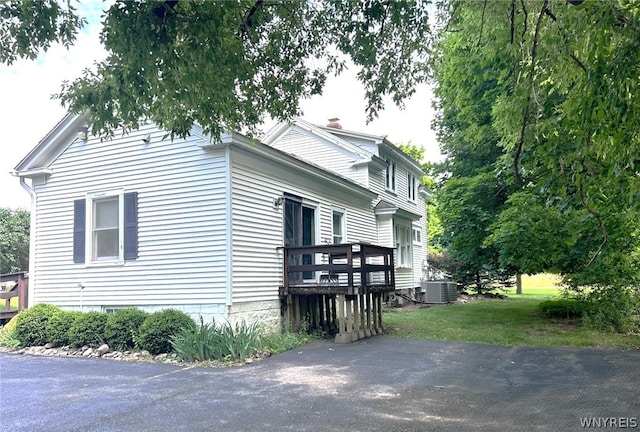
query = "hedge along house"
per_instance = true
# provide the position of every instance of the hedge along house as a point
(199, 225)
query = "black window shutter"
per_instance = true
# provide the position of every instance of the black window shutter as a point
(131, 226)
(79, 222)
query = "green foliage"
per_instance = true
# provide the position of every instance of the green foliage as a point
(8, 338)
(539, 108)
(88, 329)
(8, 334)
(562, 308)
(226, 64)
(28, 26)
(31, 324)
(158, 328)
(281, 342)
(59, 327)
(515, 321)
(217, 342)
(122, 329)
(612, 309)
(14, 239)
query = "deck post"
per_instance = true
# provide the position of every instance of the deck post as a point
(356, 319)
(297, 313)
(363, 311)
(342, 336)
(378, 301)
(367, 326)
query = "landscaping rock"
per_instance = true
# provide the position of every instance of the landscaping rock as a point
(140, 356)
(102, 350)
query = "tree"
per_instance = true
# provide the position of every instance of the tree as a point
(29, 26)
(227, 64)
(14, 240)
(471, 191)
(544, 90)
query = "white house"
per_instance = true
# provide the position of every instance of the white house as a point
(198, 225)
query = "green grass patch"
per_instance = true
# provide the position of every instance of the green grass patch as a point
(512, 322)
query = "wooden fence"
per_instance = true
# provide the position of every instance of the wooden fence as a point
(19, 287)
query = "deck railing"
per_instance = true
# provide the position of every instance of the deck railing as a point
(19, 289)
(349, 268)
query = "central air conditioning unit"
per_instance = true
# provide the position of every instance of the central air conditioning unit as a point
(439, 291)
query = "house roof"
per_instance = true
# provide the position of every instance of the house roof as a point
(386, 208)
(38, 160)
(360, 154)
(380, 141)
(304, 166)
(52, 145)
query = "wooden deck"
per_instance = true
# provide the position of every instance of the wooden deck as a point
(337, 288)
(19, 290)
(349, 269)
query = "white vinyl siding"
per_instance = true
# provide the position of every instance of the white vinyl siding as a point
(181, 224)
(328, 155)
(258, 223)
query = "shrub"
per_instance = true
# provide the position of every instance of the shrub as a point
(562, 308)
(158, 328)
(59, 326)
(211, 342)
(239, 341)
(31, 324)
(201, 342)
(612, 309)
(8, 334)
(88, 329)
(123, 328)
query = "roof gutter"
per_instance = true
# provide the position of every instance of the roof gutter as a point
(23, 183)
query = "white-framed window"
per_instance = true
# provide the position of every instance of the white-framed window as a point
(105, 228)
(338, 227)
(402, 239)
(390, 182)
(411, 187)
(417, 235)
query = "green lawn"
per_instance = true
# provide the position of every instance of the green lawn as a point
(513, 322)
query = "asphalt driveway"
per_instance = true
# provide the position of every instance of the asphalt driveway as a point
(378, 384)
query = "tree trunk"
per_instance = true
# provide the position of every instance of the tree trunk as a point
(518, 283)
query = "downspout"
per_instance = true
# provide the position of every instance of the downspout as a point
(229, 231)
(32, 237)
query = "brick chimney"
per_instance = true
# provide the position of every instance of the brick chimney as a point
(334, 123)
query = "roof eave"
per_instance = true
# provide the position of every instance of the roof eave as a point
(54, 143)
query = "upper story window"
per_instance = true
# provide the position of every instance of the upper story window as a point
(338, 227)
(390, 183)
(411, 187)
(105, 228)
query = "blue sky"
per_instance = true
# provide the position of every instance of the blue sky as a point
(27, 112)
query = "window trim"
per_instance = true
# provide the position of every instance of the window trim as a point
(391, 175)
(343, 225)
(404, 249)
(411, 187)
(415, 230)
(90, 260)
